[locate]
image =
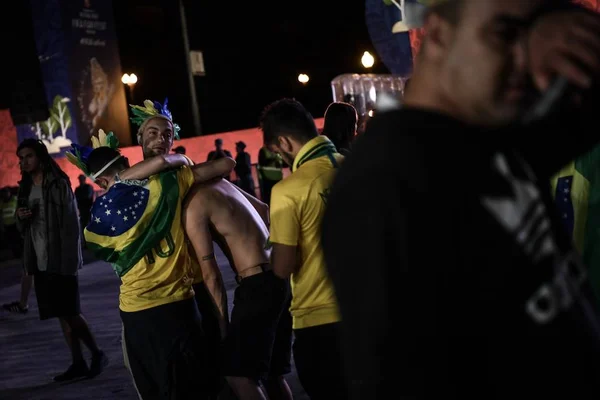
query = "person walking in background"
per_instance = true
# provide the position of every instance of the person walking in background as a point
(47, 217)
(243, 169)
(84, 194)
(12, 238)
(341, 123)
(219, 152)
(10, 235)
(270, 171)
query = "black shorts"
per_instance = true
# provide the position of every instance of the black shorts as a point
(167, 351)
(57, 295)
(318, 359)
(256, 327)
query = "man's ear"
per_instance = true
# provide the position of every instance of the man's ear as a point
(285, 144)
(439, 37)
(102, 182)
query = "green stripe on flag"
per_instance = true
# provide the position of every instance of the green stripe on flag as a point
(158, 228)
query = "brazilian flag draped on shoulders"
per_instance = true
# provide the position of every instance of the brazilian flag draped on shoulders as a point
(576, 191)
(127, 222)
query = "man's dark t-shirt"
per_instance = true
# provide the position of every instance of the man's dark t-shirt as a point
(454, 275)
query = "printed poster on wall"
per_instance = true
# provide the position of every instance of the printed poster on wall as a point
(58, 131)
(95, 69)
(81, 68)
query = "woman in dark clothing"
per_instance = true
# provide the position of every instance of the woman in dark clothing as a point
(340, 125)
(47, 218)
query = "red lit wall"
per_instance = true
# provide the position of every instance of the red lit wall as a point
(196, 148)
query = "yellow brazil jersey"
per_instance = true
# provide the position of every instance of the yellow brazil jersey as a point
(297, 206)
(137, 227)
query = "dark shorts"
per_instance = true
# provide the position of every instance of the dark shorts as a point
(167, 351)
(318, 359)
(258, 343)
(57, 295)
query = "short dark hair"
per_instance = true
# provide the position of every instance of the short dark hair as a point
(179, 150)
(287, 117)
(101, 156)
(340, 124)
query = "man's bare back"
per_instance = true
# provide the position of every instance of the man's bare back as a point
(232, 221)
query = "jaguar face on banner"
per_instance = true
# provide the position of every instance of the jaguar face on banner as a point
(81, 69)
(95, 68)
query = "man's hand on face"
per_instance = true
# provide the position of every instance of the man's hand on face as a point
(566, 44)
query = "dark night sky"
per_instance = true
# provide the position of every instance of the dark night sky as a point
(253, 53)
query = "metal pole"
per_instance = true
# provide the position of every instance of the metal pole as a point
(192, 88)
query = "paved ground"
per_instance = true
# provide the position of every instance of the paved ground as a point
(33, 351)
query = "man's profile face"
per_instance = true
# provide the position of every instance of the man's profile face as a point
(28, 160)
(485, 60)
(157, 137)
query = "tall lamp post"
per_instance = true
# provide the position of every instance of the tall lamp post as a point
(130, 80)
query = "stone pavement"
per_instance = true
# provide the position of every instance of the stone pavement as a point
(33, 351)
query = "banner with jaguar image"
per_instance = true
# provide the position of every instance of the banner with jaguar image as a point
(81, 68)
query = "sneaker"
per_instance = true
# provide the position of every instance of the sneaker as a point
(15, 307)
(99, 361)
(75, 371)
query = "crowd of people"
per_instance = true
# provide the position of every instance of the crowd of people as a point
(172, 299)
(402, 264)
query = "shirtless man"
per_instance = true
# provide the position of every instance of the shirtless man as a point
(258, 342)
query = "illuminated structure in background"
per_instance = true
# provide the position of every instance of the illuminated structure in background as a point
(367, 92)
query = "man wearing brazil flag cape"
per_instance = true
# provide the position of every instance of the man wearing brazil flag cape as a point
(136, 226)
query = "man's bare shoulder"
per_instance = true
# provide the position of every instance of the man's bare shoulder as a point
(210, 194)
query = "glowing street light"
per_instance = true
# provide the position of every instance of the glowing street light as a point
(367, 60)
(129, 80)
(303, 79)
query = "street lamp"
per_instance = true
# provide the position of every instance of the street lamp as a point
(130, 80)
(367, 60)
(303, 79)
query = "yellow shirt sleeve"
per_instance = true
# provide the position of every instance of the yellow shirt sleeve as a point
(189, 160)
(285, 221)
(185, 178)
